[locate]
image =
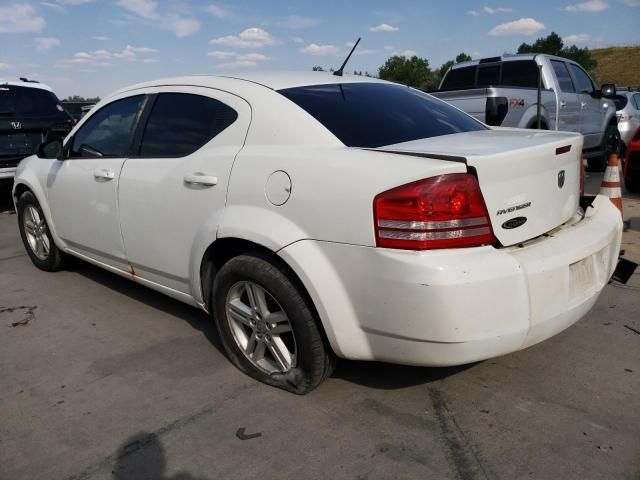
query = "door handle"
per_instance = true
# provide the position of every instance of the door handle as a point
(583, 104)
(563, 104)
(200, 179)
(104, 175)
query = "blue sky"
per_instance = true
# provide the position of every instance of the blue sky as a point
(92, 47)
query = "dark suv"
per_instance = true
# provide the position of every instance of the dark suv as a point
(30, 113)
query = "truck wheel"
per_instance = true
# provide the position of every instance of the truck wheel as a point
(36, 236)
(611, 143)
(266, 326)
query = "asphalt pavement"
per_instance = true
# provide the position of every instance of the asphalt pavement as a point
(101, 378)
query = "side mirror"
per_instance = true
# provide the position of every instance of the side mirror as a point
(51, 149)
(608, 90)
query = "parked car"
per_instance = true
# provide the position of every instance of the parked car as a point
(632, 163)
(318, 216)
(502, 91)
(30, 113)
(628, 113)
(77, 109)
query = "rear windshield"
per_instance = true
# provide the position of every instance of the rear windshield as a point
(620, 101)
(26, 102)
(371, 115)
(514, 73)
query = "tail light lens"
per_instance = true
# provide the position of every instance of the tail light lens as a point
(446, 211)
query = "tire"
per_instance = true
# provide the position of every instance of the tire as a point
(282, 319)
(36, 236)
(611, 143)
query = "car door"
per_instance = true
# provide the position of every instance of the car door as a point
(592, 113)
(174, 188)
(569, 106)
(82, 188)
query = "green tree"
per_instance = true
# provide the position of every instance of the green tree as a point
(414, 72)
(78, 98)
(463, 57)
(552, 44)
(317, 69)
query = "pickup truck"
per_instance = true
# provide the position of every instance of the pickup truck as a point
(503, 92)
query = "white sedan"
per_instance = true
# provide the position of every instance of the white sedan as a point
(317, 216)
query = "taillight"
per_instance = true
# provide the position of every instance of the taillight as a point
(582, 176)
(446, 211)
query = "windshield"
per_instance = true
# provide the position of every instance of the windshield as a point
(24, 101)
(371, 115)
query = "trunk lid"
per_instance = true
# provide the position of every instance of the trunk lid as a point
(530, 179)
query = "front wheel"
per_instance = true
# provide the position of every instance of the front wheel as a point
(36, 236)
(268, 329)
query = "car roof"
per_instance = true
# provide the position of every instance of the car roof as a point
(508, 58)
(275, 80)
(22, 83)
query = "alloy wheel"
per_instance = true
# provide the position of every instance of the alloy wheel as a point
(35, 228)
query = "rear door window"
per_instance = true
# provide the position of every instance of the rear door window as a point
(181, 123)
(620, 101)
(520, 73)
(107, 132)
(562, 74)
(375, 114)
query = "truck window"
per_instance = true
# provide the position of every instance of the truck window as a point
(464, 77)
(488, 76)
(520, 73)
(583, 82)
(562, 74)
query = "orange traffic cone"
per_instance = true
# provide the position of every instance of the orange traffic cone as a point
(611, 182)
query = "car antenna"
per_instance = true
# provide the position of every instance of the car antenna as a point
(341, 69)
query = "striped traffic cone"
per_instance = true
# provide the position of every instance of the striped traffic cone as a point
(611, 182)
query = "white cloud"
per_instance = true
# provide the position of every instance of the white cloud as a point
(5, 66)
(473, 13)
(74, 2)
(589, 6)
(20, 18)
(182, 26)
(143, 8)
(101, 38)
(249, 38)
(54, 6)
(491, 11)
(315, 49)
(388, 48)
(150, 60)
(524, 26)
(365, 52)
(46, 43)
(218, 11)
(407, 53)
(130, 53)
(239, 60)
(298, 40)
(632, 3)
(96, 58)
(384, 27)
(577, 38)
(296, 22)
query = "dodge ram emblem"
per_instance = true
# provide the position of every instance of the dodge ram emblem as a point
(560, 178)
(16, 125)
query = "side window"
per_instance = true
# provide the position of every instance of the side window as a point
(106, 133)
(520, 73)
(181, 123)
(488, 75)
(562, 74)
(583, 82)
(636, 98)
(464, 77)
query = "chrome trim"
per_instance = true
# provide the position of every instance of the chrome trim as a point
(420, 236)
(413, 225)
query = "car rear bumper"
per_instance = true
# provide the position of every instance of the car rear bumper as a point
(451, 307)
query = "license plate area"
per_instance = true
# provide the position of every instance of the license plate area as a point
(587, 276)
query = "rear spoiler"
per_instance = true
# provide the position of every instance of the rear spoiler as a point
(434, 156)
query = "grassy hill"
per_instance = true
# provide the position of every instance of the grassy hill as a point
(619, 65)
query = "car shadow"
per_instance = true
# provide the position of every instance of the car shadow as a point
(6, 202)
(196, 318)
(376, 375)
(386, 376)
(142, 456)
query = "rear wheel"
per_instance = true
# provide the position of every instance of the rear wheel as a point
(267, 327)
(36, 236)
